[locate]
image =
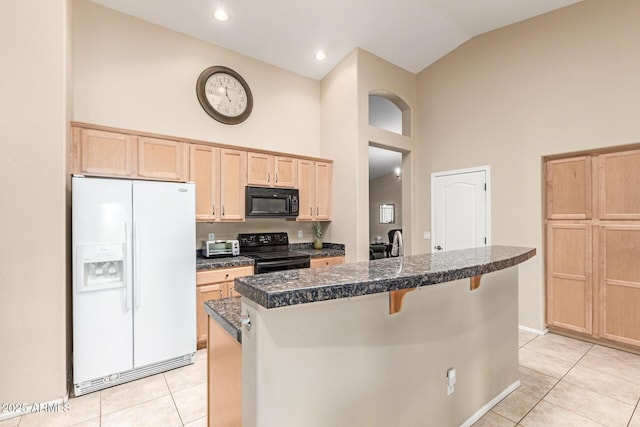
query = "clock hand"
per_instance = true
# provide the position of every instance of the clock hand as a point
(226, 92)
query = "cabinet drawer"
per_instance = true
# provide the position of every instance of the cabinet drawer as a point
(222, 274)
(325, 262)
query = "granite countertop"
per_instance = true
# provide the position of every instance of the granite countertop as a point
(226, 262)
(226, 312)
(328, 249)
(291, 287)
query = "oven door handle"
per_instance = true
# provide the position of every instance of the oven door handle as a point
(283, 263)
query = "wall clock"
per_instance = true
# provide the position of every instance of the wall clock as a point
(224, 95)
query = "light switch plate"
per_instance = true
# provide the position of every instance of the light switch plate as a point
(426, 235)
(299, 234)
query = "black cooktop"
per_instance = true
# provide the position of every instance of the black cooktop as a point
(275, 255)
(267, 246)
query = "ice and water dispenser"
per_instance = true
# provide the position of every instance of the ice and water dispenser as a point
(101, 266)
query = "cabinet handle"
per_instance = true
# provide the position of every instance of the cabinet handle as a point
(213, 209)
(220, 290)
(222, 210)
(226, 276)
(276, 177)
(268, 177)
(317, 211)
(310, 210)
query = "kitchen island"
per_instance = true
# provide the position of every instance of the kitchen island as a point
(371, 343)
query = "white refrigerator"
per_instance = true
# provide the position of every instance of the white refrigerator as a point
(134, 297)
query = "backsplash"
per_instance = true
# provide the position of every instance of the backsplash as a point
(230, 230)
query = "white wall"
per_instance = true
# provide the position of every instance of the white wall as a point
(561, 82)
(34, 44)
(136, 75)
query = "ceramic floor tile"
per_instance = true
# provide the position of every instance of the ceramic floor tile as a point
(635, 419)
(591, 405)
(10, 422)
(201, 354)
(563, 348)
(75, 411)
(613, 362)
(192, 402)
(200, 422)
(547, 415)
(91, 423)
(543, 363)
(605, 384)
(154, 413)
(515, 405)
(525, 337)
(535, 383)
(491, 419)
(126, 395)
(187, 376)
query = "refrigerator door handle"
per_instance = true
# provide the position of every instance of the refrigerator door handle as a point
(127, 266)
(136, 262)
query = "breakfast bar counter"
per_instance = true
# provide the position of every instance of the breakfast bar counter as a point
(371, 343)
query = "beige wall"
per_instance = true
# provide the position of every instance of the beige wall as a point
(385, 189)
(34, 37)
(136, 75)
(561, 82)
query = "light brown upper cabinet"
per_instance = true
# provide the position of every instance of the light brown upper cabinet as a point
(620, 282)
(96, 152)
(102, 153)
(569, 188)
(267, 170)
(569, 284)
(219, 175)
(314, 184)
(619, 185)
(163, 159)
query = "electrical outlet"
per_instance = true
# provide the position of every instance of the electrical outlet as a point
(451, 380)
(212, 236)
(299, 234)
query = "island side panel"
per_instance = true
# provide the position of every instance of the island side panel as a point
(349, 362)
(224, 377)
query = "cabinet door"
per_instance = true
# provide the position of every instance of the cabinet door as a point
(206, 293)
(325, 262)
(323, 191)
(619, 185)
(306, 189)
(260, 169)
(163, 159)
(205, 172)
(569, 188)
(569, 281)
(620, 282)
(286, 172)
(232, 183)
(103, 153)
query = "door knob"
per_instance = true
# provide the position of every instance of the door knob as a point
(438, 248)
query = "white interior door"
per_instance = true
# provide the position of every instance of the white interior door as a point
(459, 209)
(164, 316)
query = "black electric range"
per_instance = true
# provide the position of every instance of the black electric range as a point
(271, 252)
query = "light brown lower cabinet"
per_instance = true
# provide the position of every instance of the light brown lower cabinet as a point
(224, 378)
(326, 261)
(214, 284)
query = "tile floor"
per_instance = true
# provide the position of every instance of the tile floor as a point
(174, 399)
(564, 382)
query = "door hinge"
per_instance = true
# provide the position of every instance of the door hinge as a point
(485, 186)
(485, 240)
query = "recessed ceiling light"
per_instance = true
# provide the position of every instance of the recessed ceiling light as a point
(221, 15)
(320, 55)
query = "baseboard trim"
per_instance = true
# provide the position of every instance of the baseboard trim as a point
(533, 331)
(56, 405)
(493, 402)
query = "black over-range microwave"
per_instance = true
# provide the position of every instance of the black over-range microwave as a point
(264, 202)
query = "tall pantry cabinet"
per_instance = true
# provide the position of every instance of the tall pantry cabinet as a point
(593, 245)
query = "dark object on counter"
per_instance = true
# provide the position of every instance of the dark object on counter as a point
(377, 251)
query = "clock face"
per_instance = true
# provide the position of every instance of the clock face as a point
(224, 95)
